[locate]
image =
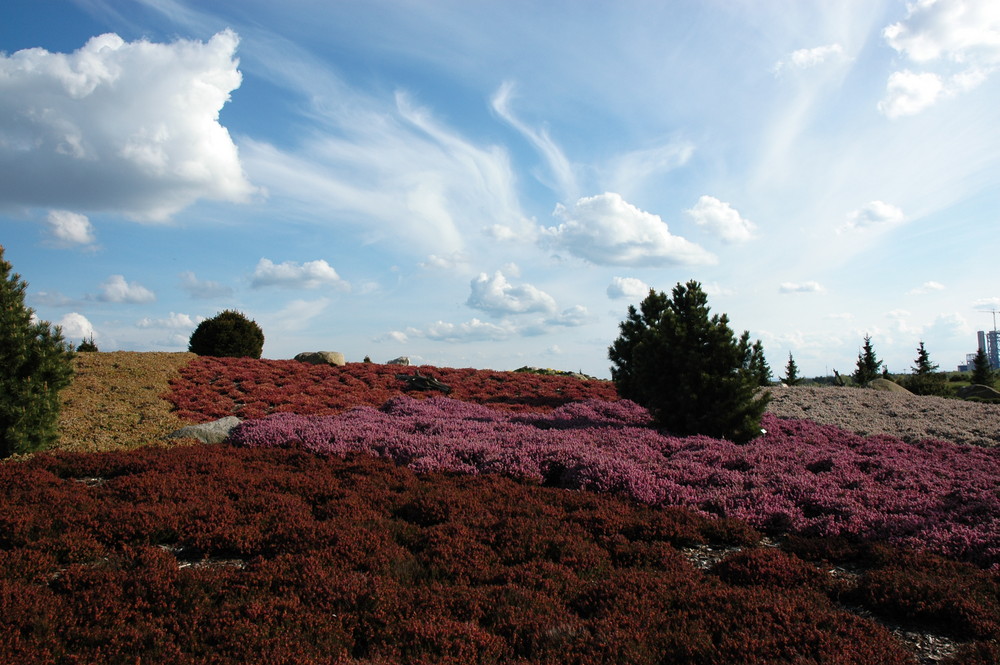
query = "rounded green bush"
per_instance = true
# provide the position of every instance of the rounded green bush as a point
(228, 334)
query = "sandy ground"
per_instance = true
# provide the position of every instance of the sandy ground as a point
(903, 415)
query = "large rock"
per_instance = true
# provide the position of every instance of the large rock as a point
(886, 385)
(213, 432)
(402, 360)
(979, 391)
(322, 358)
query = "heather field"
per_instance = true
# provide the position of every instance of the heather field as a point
(518, 519)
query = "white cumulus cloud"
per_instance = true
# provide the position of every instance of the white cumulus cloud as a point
(909, 93)
(76, 326)
(470, 331)
(875, 214)
(498, 297)
(175, 321)
(291, 274)
(809, 57)
(203, 289)
(607, 230)
(70, 228)
(927, 287)
(958, 39)
(116, 289)
(147, 114)
(627, 287)
(962, 31)
(800, 287)
(721, 219)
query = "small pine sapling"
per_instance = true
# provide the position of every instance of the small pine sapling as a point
(791, 372)
(869, 366)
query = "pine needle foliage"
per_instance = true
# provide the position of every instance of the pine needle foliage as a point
(925, 379)
(869, 366)
(35, 364)
(689, 369)
(791, 372)
(228, 334)
(982, 373)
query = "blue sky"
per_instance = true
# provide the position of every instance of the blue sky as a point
(492, 184)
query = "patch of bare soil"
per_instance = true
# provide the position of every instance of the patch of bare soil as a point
(115, 400)
(903, 415)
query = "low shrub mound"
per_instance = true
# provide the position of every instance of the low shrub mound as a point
(214, 554)
(210, 388)
(800, 477)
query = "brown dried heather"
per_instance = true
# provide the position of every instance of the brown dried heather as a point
(902, 415)
(115, 400)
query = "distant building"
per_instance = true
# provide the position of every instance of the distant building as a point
(989, 341)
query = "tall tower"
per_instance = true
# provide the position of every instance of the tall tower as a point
(990, 342)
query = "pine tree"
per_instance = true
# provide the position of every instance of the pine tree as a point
(868, 365)
(88, 345)
(924, 365)
(791, 372)
(924, 379)
(35, 364)
(687, 368)
(982, 373)
(755, 361)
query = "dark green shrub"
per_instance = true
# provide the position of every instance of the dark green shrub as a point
(88, 345)
(35, 364)
(689, 370)
(228, 334)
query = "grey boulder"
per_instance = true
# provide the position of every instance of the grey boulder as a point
(213, 432)
(322, 358)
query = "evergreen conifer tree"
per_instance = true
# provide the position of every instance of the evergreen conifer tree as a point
(35, 364)
(687, 368)
(924, 379)
(791, 372)
(868, 365)
(756, 363)
(982, 373)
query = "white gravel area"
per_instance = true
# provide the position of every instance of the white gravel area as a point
(903, 415)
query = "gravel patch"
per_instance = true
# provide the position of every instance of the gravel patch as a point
(903, 415)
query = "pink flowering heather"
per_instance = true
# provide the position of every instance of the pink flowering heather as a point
(800, 477)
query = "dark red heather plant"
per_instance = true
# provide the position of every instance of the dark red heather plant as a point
(212, 388)
(214, 554)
